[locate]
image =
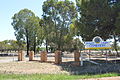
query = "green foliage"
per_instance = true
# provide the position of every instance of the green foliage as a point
(62, 21)
(99, 18)
(118, 25)
(27, 28)
(72, 44)
(60, 15)
(9, 45)
(95, 19)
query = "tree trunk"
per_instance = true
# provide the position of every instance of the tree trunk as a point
(59, 42)
(58, 46)
(46, 45)
(28, 45)
(34, 49)
(115, 45)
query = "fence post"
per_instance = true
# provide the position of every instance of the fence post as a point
(58, 57)
(31, 55)
(20, 55)
(43, 56)
(77, 57)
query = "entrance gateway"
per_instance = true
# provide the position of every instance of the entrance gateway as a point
(96, 43)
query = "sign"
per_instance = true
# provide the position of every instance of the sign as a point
(97, 43)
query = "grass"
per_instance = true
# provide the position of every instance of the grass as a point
(52, 77)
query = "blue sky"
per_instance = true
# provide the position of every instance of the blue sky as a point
(8, 8)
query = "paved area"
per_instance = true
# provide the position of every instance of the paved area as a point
(7, 59)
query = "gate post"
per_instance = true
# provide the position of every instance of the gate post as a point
(43, 56)
(77, 57)
(58, 57)
(31, 55)
(20, 55)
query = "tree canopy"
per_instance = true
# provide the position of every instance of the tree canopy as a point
(26, 26)
(63, 21)
(60, 15)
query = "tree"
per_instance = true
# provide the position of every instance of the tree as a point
(96, 19)
(118, 25)
(60, 14)
(116, 35)
(11, 45)
(99, 18)
(26, 24)
(117, 18)
(115, 5)
(2, 46)
(48, 33)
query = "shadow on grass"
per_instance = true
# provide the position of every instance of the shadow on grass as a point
(91, 69)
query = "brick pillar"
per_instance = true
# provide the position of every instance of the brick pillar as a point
(77, 57)
(58, 57)
(20, 55)
(31, 55)
(43, 56)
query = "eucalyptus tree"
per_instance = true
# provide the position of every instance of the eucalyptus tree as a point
(116, 35)
(2, 46)
(10, 45)
(118, 25)
(99, 18)
(48, 30)
(117, 17)
(96, 19)
(60, 14)
(26, 24)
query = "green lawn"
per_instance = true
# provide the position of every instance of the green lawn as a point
(51, 77)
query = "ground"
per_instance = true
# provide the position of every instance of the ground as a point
(30, 67)
(10, 65)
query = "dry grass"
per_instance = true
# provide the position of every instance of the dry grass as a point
(30, 68)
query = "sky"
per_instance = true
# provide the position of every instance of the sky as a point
(8, 8)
